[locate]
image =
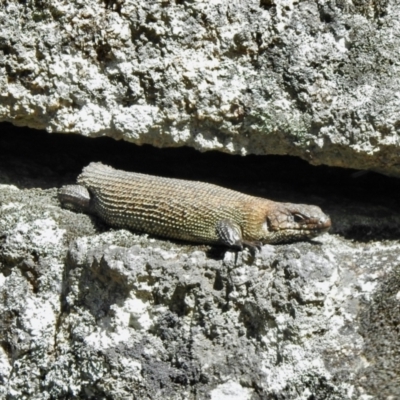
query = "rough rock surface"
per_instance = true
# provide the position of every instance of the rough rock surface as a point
(87, 313)
(118, 315)
(315, 79)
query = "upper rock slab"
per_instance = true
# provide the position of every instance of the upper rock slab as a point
(315, 79)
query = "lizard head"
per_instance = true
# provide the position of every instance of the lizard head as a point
(293, 222)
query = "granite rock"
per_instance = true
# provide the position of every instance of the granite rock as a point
(91, 314)
(314, 79)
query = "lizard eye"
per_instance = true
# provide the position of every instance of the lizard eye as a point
(298, 218)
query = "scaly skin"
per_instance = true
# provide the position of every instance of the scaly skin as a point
(187, 210)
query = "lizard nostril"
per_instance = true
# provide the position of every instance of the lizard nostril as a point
(325, 222)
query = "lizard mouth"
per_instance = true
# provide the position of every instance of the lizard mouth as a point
(315, 227)
(319, 226)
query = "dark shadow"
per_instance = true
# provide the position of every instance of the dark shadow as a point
(362, 206)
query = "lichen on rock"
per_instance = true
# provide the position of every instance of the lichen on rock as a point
(311, 79)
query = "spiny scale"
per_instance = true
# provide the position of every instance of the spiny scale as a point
(167, 207)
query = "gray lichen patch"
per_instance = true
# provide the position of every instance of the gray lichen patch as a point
(33, 220)
(380, 329)
(29, 226)
(31, 264)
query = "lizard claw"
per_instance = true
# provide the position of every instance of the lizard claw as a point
(253, 246)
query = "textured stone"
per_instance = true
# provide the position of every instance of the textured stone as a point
(315, 79)
(89, 312)
(117, 315)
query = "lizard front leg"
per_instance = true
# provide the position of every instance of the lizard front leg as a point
(230, 234)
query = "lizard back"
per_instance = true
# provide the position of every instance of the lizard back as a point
(175, 208)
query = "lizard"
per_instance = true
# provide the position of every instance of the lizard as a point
(189, 210)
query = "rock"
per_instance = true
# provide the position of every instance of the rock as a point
(309, 79)
(114, 314)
